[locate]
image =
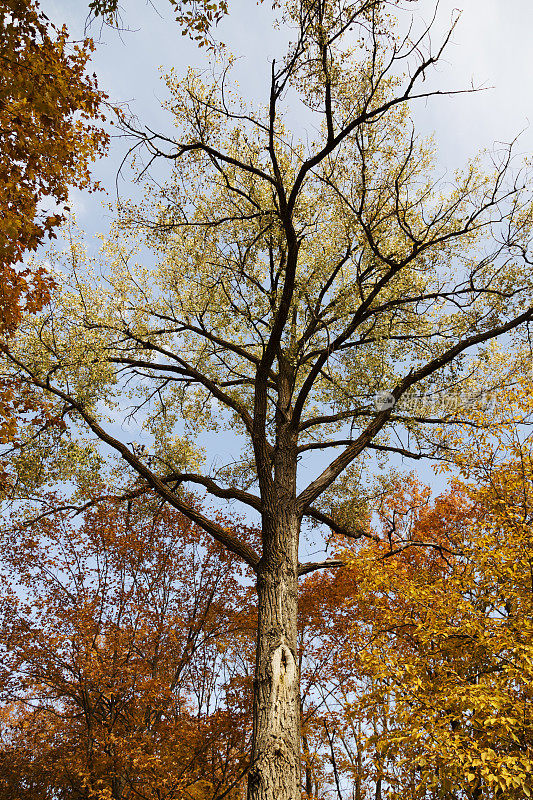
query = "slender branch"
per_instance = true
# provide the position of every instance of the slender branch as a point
(367, 116)
(347, 442)
(208, 383)
(182, 149)
(230, 493)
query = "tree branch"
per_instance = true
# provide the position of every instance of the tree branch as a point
(312, 566)
(330, 474)
(232, 543)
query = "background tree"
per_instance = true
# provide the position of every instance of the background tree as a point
(128, 666)
(133, 651)
(115, 678)
(49, 134)
(448, 647)
(289, 283)
(49, 109)
(445, 634)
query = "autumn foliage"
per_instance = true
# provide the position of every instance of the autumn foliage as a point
(152, 648)
(128, 645)
(50, 132)
(196, 18)
(48, 113)
(117, 660)
(441, 649)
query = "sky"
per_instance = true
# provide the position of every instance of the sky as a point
(491, 48)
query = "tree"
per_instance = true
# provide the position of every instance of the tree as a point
(444, 633)
(446, 640)
(49, 109)
(49, 134)
(128, 663)
(292, 281)
(430, 693)
(117, 680)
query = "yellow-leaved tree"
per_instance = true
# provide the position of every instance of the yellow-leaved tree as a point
(445, 635)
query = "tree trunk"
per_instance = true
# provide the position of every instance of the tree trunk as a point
(358, 779)
(275, 768)
(308, 770)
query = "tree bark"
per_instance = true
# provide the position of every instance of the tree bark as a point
(275, 768)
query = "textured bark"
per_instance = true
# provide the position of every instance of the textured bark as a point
(275, 771)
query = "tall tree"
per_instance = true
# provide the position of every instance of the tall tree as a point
(291, 280)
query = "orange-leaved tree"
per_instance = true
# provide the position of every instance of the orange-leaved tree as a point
(49, 113)
(128, 652)
(115, 678)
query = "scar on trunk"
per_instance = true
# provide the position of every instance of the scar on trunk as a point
(283, 666)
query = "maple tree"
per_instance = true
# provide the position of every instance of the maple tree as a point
(289, 283)
(127, 662)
